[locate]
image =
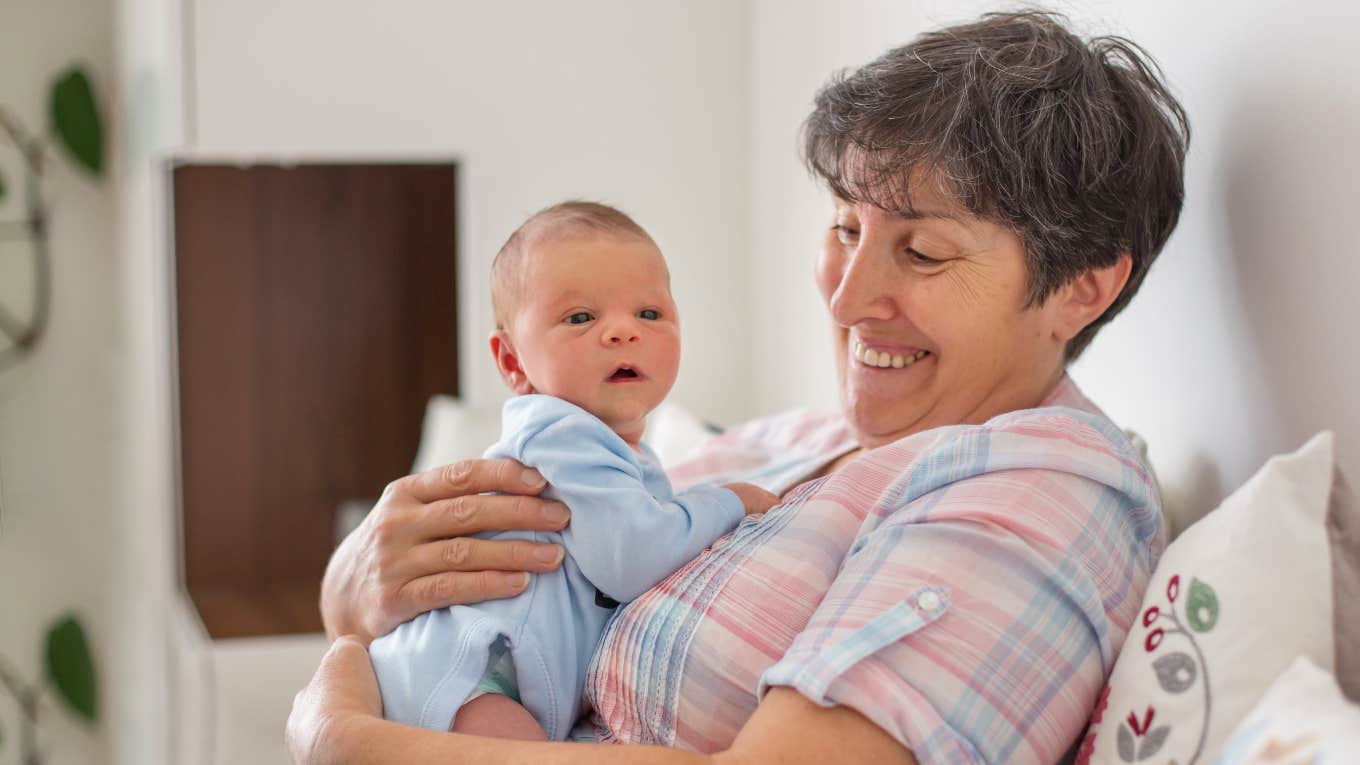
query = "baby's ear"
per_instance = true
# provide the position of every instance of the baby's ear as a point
(507, 363)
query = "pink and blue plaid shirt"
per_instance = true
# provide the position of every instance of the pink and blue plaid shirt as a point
(966, 588)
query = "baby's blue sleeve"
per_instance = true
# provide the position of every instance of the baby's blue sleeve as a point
(624, 539)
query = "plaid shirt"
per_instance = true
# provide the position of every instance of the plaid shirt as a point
(966, 588)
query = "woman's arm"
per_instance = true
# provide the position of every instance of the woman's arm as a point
(413, 554)
(335, 721)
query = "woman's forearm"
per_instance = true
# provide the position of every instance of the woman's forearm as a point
(372, 741)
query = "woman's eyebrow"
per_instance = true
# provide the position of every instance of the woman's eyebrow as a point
(915, 214)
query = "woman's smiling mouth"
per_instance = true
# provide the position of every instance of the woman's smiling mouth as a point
(885, 360)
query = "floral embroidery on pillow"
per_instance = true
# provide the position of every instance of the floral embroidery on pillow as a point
(1138, 738)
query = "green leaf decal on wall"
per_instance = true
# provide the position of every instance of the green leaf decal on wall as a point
(69, 667)
(1201, 607)
(76, 119)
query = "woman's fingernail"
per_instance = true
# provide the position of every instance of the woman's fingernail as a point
(556, 513)
(531, 478)
(517, 580)
(548, 554)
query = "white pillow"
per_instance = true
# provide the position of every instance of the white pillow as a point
(453, 430)
(1302, 718)
(1233, 601)
(674, 433)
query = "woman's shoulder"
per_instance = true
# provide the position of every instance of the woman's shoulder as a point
(1063, 458)
(1065, 432)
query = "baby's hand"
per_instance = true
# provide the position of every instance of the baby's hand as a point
(755, 499)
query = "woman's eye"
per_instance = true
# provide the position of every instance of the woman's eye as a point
(649, 314)
(580, 317)
(921, 259)
(845, 234)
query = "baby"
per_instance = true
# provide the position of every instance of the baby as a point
(589, 339)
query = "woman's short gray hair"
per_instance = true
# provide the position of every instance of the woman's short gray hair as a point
(1077, 146)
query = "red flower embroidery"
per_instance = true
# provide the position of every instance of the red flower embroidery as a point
(1101, 703)
(1088, 748)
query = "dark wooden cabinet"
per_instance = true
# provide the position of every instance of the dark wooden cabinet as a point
(315, 307)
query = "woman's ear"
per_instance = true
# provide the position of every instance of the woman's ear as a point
(1086, 297)
(507, 362)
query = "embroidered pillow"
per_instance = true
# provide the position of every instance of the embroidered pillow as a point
(1234, 600)
(1302, 718)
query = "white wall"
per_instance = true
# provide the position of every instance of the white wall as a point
(641, 104)
(58, 409)
(1243, 340)
(149, 724)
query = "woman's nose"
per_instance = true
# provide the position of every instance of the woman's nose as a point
(863, 288)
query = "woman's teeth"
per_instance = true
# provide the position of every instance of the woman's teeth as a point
(883, 359)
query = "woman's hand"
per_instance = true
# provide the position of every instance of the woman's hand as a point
(343, 690)
(413, 552)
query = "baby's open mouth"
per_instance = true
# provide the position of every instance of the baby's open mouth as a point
(624, 374)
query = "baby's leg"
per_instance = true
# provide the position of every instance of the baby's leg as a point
(492, 714)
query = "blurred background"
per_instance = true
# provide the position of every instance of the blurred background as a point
(284, 263)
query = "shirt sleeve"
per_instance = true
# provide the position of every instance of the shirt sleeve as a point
(624, 539)
(970, 624)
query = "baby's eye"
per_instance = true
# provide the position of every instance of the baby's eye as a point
(650, 314)
(580, 317)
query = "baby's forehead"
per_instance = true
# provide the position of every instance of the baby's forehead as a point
(572, 250)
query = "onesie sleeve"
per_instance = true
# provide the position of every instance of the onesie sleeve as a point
(624, 539)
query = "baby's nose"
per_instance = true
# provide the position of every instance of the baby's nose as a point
(620, 333)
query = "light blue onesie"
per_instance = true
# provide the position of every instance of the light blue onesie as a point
(628, 531)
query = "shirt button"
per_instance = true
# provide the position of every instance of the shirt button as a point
(928, 601)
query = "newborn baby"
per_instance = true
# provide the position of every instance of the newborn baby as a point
(589, 339)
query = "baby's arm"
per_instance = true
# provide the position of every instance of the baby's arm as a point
(622, 537)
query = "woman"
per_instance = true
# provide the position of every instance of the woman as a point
(961, 551)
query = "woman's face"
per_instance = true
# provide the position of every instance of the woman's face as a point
(930, 324)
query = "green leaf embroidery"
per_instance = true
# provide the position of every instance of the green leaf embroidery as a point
(69, 667)
(76, 119)
(1201, 607)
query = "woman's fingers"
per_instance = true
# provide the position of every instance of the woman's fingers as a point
(455, 588)
(472, 476)
(471, 554)
(459, 516)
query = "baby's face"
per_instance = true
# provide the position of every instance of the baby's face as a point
(595, 325)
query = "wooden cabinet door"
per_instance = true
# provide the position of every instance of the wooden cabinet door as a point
(316, 316)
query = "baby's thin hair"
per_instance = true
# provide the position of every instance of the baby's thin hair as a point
(569, 218)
